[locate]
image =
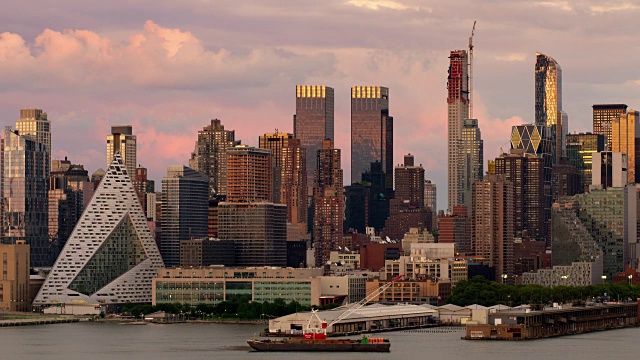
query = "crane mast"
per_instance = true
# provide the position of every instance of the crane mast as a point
(473, 30)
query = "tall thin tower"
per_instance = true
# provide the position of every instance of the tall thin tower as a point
(458, 103)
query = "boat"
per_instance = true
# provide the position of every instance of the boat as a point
(315, 338)
(301, 344)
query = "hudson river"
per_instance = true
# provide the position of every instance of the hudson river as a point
(96, 341)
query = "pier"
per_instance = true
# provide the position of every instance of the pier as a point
(38, 321)
(523, 324)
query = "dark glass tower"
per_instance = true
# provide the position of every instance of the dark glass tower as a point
(313, 122)
(580, 150)
(371, 132)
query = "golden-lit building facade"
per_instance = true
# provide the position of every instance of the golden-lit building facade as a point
(625, 136)
(210, 155)
(249, 174)
(313, 122)
(548, 103)
(290, 160)
(603, 116)
(122, 140)
(14, 284)
(34, 122)
(371, 132)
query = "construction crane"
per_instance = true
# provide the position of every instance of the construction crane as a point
(473, 31)
(322, 333)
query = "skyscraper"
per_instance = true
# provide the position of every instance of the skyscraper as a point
(211, 148)
(431, 196)
(410, 182)
(548, 103)
(34, 122)
(184, 210)
(313, 122)
(248, 216)
(625, 137)
(458, 103)
(328, 202)
(492, 224)
(580, 150)
(111, 257)
(122, 140)
(26, 207)
(470, 161)
(371, 132)
(603, 116)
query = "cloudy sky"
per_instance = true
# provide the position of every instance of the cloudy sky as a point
(168, 67)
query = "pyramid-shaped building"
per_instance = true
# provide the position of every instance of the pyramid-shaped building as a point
(111, 256)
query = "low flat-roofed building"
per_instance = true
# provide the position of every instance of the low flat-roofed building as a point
(420, 267)
(425, 291)
(205, 252)
(214, 284)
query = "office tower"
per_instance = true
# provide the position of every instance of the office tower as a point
(430, 196)
(565, 180)
(458, 104)
(111, 257)
(291, 175)
(625, 138)
(609, 169)
(185, 204)
(68, 186)
(357, 197)
(328, 202)
(15, 277)
(143, 185)
(379, 195)
(470, 161)
(26, 208)
(580, 150)
(122, 140)
(211, 148)
(313, 122)
(206, 252)
(410, 182)
(603, 116)
(548, 103)
(34, 123)
(250, 174)
(531, 177)
(371, 132)
(492, 220)
(456, 229)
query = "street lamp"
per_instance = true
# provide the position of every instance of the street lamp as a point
(604, 278)
(630, 277)
(504, 278)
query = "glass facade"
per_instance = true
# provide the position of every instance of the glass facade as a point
(371, 132)
(26, 207)
(122, 140)
(119, 253)
(313, 122)
(625, 135)
(580, 150)
(458, 111)
(603, 116)
(470, 160)
(548, 103)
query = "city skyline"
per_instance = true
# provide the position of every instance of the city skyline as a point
(246, 75)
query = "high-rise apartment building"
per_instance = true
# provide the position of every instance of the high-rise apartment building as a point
(185, 204)
(603, 116)
(211, 155)
(431, 196)
(15, 277)
(111, 257)
(250, 174)
(492, 220)
(25, 183)
(290, 176)
(625, 138)
(313, 122)
(410, 182)
(123, 141)
(548, 103)
(34, 123)
(470, 160)
(580, 150)
(458, 111)
(328, 202)
(371, 132)
(456, 228)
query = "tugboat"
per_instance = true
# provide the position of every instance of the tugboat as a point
(315, 339)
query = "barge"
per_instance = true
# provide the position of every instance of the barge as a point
(301, 344)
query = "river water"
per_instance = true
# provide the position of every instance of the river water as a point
(97, 341)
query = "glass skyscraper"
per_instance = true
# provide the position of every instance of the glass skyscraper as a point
(313, 122)
(603, 117)
(580, 150)
(548, 103)
(458, 111)
(371, 132)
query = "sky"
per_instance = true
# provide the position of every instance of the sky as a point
(168, 67)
